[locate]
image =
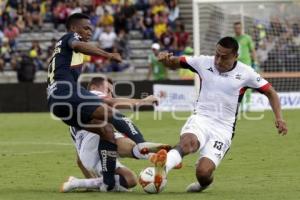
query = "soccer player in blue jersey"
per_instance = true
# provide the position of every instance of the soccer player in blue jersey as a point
(78, 107)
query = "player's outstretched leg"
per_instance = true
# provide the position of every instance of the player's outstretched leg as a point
(204, 174)
(107, 152)
(164, 161)
(121, 123)
(74, 183)
(124, 125)
(188, 144)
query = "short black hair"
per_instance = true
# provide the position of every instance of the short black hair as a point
(74, 18)
(237, 23)
(229, 43)
(97, 81)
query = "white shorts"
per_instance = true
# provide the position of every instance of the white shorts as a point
(214, 139)
(86, 145)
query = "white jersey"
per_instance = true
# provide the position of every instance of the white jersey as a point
(101, 95)
(221, 93)
(87, 143)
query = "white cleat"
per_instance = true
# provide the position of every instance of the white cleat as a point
(68, 186)
(195, 187)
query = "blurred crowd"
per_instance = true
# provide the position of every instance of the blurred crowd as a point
(277, 42)
(277, 45)
(157, 20)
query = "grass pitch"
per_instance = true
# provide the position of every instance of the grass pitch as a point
(36, 156)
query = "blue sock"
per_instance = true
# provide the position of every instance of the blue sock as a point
(125, 126)
(108, 156)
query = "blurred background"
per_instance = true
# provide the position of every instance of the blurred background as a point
(138, 30)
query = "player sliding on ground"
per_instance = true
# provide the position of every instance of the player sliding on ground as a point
(211, 129)
(76, 106)
(86, 144)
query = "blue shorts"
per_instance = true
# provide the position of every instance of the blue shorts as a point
(72, 105)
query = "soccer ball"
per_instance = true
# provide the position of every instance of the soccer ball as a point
(148, 182)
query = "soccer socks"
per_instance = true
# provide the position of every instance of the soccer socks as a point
(108, 156)
(125, 126)
(136, 153)
(174, 158)
(92, 183)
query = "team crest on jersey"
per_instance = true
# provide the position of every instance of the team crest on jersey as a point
(76, 36)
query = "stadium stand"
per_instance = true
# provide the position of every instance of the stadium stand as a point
(30, 28)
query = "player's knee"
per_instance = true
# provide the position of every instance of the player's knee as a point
(129, 177)
(131, 181)
(108, 133)
(103, 112)
(189, 143)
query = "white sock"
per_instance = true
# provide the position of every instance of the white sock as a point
(90, 183)
(137, 154)
(173, 159)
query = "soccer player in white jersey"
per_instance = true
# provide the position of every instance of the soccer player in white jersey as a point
(86, 144)
(211, 128)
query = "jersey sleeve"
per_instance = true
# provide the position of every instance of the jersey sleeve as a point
(257, 82)
(73, 37)
(194, 64)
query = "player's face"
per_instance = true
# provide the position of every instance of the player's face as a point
(108, 89)
(85, 29)
(224, 58)
(237, 29)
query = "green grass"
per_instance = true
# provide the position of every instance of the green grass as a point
(36, 156)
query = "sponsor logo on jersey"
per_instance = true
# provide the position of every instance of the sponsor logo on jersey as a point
(238, 76)
(77, 36)
(224, 75)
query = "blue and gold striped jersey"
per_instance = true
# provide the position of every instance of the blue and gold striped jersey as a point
(65, 64)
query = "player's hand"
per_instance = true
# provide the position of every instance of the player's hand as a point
(281, 126)
(115, 56)
(164, 57)
(150, 100)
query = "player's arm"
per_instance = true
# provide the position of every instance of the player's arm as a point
(170, 61)
(174, 62)
(92, 50)
(276, 107)
(256, 81)
(123, 103)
